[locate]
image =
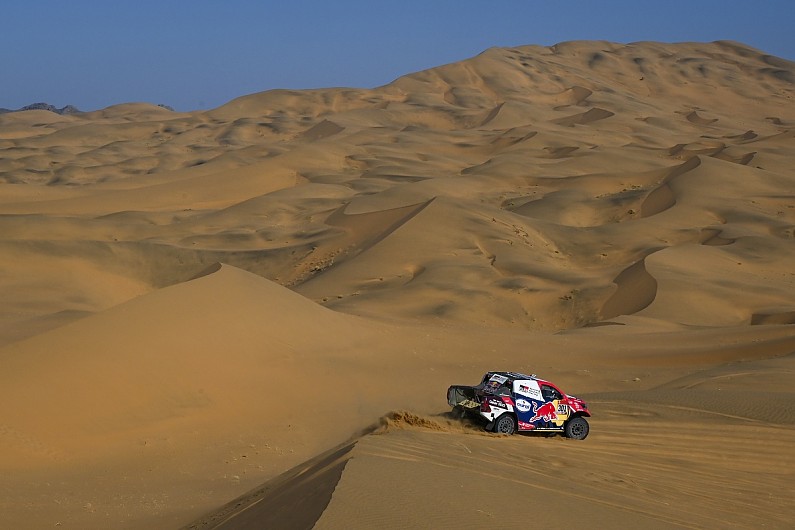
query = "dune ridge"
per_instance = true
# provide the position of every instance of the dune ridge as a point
(201, 306)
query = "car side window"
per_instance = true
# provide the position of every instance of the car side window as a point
(549, 393)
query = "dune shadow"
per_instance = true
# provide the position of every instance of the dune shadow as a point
(294, 499)
(322, 130)
(636, 290)
(743, 159)
(773, 317)
(576, 95)
(367, 229)
(662, 197)
(358, 233)
(584, 118)
(491, 115)
(747, 135)
(712, 237)
(696, 119)
(560, 152)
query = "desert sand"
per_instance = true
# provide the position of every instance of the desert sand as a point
(248, 317)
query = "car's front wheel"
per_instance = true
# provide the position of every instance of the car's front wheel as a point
(505, 424)
(577, 428)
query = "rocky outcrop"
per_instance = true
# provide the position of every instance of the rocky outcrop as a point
(68, 109)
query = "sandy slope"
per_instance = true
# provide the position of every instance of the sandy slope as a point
(440, 479)
(617, 218)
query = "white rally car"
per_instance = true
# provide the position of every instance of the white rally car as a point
(508, 402)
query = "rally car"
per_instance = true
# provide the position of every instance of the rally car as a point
(508, 402)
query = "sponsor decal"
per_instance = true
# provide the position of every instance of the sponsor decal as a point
(529, 389)
(545, 412)
(496, 403)
(495, 383)
(499, 379)
(524, 426)
(522, 405)
(535, 394)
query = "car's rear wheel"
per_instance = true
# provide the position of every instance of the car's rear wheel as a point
(577, 428)
(505, 424)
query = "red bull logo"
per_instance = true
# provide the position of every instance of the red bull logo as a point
(545, 412)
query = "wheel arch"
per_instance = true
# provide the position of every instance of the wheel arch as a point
(510, 413)
(579, 432)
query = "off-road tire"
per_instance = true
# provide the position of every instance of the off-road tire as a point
(505, 424)
(577, 428)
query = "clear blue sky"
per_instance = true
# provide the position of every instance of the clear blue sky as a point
(199, 54)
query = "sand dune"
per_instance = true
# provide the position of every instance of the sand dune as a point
(383, 479)
(208, 306)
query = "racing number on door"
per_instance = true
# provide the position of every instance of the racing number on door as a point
(562, 413)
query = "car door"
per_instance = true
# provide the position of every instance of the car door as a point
(554, 412)
(528, 398)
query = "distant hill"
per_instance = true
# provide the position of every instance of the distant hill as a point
(68, 109)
